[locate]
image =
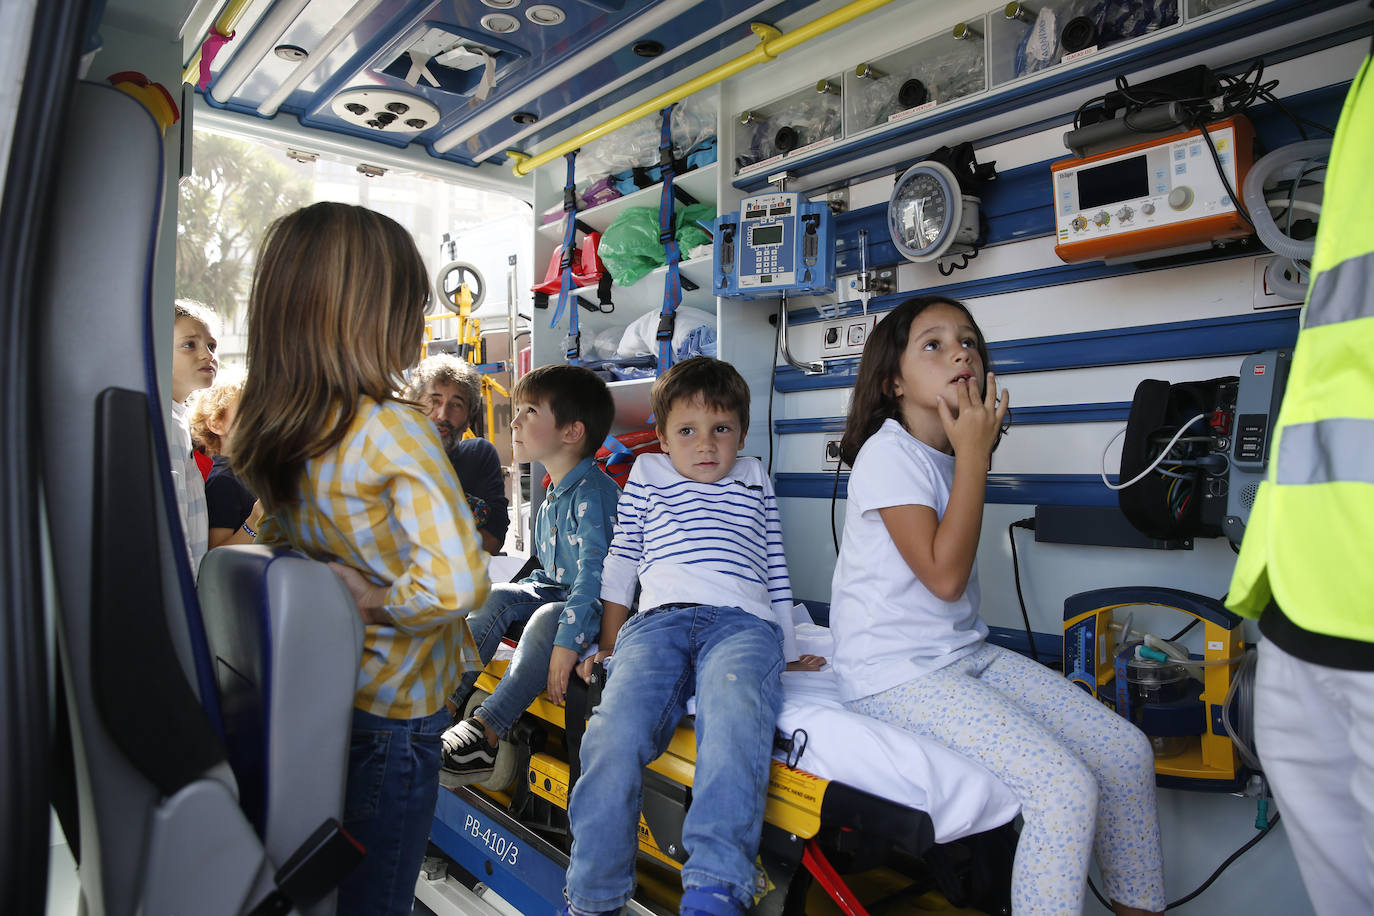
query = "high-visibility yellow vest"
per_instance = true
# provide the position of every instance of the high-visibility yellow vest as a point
(1309, 544)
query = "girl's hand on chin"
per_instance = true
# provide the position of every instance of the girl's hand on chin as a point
(974, 431)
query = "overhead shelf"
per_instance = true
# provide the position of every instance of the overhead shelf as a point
(700, 183)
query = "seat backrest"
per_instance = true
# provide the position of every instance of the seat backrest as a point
(160, 828)
(287, 644)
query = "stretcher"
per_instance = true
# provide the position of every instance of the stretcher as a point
(910, 818)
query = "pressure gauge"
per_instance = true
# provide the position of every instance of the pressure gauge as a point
(928, 214)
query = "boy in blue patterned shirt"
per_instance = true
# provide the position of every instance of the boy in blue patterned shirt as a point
(562, 414)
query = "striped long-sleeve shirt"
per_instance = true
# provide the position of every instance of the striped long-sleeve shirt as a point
(699, 543)
(386, 502)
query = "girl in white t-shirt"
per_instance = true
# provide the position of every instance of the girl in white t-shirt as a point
(911, 650)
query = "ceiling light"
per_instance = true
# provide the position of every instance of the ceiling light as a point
(500, 23)
(544, 14)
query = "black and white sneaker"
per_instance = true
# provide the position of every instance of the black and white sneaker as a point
(468, 758)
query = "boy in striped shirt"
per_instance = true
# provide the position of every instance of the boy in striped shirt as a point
(697, 528)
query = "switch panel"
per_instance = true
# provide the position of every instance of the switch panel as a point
(846, 336)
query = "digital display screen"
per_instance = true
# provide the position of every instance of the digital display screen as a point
(780, 211)
(755, 211)
(766, 235)
(1124, 179)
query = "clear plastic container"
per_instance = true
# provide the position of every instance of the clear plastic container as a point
(1025, 38)
(1158, 682)
(903, 84)
(797, 123)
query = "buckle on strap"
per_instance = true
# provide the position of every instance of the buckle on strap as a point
(569, 199)
(666, 323)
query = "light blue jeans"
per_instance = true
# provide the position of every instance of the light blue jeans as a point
(506, 604)
(528, 673)
(733, 662)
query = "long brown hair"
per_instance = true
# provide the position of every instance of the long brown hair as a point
(873, 402)
(336, 312)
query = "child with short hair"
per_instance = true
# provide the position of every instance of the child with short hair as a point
(350, 475)
(911, 649)
(194, 366)
(562, 415)
(234, 513)
(698, 529)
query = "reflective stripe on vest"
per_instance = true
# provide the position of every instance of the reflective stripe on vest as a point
(1341, 293)
(1339, 450)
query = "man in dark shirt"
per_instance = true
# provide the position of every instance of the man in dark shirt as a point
(451, 389)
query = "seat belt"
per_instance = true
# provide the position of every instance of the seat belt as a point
(672, 283)
(565, 283)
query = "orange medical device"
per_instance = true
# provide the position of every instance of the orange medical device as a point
(1159, 196)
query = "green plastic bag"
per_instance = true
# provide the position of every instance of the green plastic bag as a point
(630, 248)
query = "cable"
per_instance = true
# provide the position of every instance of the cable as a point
(1242, 694)
(1028, 524)
(1246, 847)
(1184, 632)
(835, 498)
(1154, 464)
(772, 386)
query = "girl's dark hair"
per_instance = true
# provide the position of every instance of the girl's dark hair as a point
(873, 402)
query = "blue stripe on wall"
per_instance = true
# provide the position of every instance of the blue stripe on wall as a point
(1230, 335)
(1101, 412)
(1006, 489)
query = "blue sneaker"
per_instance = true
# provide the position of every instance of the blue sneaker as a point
(709, 901)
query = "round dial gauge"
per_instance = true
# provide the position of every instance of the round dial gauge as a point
(924, 210)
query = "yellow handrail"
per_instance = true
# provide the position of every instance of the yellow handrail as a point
(771, 44)
(228, 18)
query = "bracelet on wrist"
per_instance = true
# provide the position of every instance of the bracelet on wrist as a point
(251, 533)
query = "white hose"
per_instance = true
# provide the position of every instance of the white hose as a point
(1154, 464)
(1257, 204)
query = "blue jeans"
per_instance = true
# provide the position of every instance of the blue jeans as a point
(733, 661)
(506, 604)
(393, 784)
(528, 673)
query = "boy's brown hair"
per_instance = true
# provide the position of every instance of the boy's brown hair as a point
(715, 381)
(574, 394)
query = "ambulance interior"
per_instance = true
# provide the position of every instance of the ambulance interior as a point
(835, 158)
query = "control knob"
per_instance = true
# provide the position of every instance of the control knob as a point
(1181, 197)
(1102, 217)
(1079, 224)
(1148, 209)
(1125, 214)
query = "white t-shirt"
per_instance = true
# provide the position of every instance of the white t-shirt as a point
(888, 626)
(190, 488)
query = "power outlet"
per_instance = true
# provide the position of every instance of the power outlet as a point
(846, 336)
(1265, 296)
(832, 452)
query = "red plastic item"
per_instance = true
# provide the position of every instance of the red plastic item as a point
(587, 265)
(640, 442)
(553, 277)
(824, 873)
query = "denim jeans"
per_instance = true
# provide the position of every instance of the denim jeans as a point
(528, 673)
(733, 661)
(393, 784)
(506, 604)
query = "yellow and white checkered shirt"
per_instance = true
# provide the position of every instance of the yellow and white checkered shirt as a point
(386, 502)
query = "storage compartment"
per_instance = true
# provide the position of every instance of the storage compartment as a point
(797, 123)
(1025, 38)
(932, 72)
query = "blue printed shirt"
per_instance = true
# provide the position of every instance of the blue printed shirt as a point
(572, 532)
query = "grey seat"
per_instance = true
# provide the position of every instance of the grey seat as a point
(158, 826)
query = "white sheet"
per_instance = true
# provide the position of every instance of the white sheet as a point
(960, 796)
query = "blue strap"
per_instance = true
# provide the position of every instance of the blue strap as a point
(565, 282)
(672, 284)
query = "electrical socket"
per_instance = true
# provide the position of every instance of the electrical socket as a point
(1265, 297)
(832, 453)
(846, 336)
